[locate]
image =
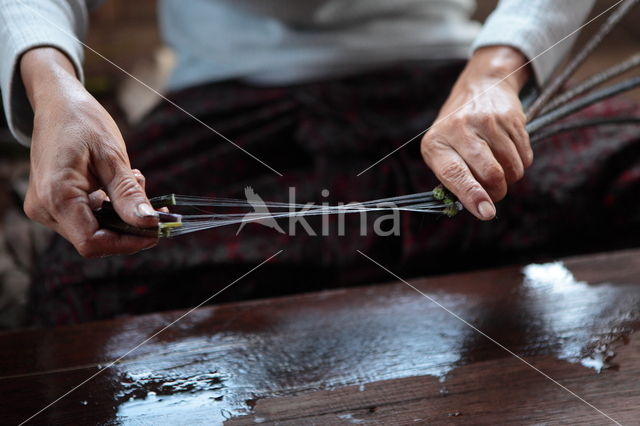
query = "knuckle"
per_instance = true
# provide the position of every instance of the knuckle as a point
(425, 149)
(30, 208)
(454, 172)
(109, 152)
(494, 175)
(527, 154)
(126, 186)
(458, 121)
(49, 197)
(519, 172)
(470, 190)
(430, 145)
(58, 201)
(86, 249)
(505, 116)
(516, 172)
(483, 119)
(500, 193)
(475, 149)
(516, 121)
(527, 159)
(518, 118)
(37, 205)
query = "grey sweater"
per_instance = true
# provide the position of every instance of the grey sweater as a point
(283, 42)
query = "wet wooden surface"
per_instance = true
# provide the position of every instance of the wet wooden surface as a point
(382, 354)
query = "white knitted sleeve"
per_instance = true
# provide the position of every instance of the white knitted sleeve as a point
(533, 26)
(25, 24)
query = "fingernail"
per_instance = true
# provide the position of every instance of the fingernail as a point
(145, 210)
(486, 210)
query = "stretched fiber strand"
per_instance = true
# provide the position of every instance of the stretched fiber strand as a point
(567, 71)
(441, 203)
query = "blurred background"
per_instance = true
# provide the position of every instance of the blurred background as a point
(127, 33)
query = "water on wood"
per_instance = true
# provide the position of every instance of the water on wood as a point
(219, 362)
(335, 344)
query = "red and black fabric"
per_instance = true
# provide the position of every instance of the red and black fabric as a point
(580, 195)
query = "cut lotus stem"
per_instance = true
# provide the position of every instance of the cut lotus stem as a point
(547, 132)
(168, 200)
(169, 217)
(592, 82)
(453, 209)
(166, 228)
(568, 69)
(439, 193)
(109, 219)
(581, 103)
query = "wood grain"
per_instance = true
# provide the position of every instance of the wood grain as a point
(382, 354)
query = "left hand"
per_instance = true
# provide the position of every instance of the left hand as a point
(78, 158)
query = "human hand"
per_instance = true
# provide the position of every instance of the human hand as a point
(478, 144)
(78, 159)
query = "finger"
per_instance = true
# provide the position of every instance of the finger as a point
(106, 243)
(139, 177)
(455, 175)
(142, 182)
(504, 150)
(96, 198)
(75, 221)
(485, 168)
(520, 138)
(127, 195)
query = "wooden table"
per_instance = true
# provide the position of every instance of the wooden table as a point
(382, 354)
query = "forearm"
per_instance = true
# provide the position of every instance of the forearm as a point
(47, 74)
(501, 64)
(30, 24)
(78, 159)
(536, 29)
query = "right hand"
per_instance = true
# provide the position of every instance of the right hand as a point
(78, 159)
(478, 144)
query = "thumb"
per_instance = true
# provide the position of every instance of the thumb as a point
(129, 199)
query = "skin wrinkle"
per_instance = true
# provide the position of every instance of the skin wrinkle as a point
(456, 173)
(125, 187)
(483, 164)
(507, 154)
(496, 182)
(76, 150)
(495, 152)
(502, 147)
(515, 132)
(485, 168)
(69, 196)
(76, 122)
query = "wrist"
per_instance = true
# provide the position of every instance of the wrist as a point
(48, 76)
(500, 63)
